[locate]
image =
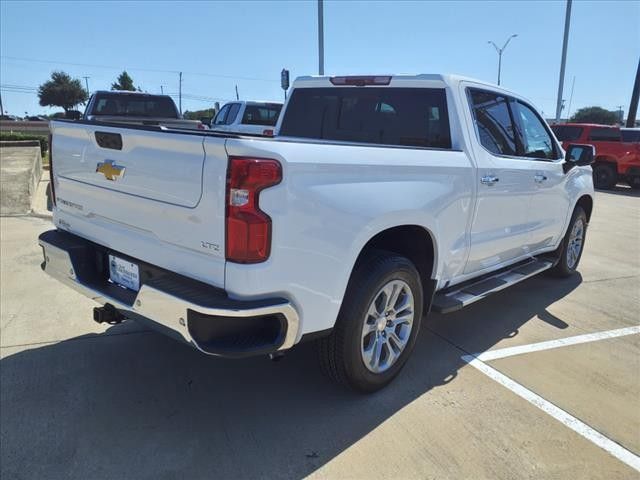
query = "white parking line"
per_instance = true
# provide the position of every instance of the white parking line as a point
(561, 342)
(570, 421)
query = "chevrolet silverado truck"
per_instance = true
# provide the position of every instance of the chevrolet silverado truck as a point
(616, 159)
(137, 108)
(382, 198)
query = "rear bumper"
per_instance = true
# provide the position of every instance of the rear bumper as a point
(185, 309)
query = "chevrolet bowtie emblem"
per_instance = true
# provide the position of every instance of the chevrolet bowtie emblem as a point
(110, 170)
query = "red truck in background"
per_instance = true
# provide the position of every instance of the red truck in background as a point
(616, 160)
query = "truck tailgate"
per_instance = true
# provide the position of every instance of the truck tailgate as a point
(141, 192)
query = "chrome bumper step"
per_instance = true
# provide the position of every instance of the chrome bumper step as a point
(459, 296)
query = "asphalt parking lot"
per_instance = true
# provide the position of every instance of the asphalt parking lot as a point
(79, 400)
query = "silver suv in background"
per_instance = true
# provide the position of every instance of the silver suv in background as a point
(253, 118)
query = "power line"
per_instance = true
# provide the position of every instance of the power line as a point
(111, 67)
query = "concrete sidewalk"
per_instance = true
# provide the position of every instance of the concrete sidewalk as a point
(20, 172)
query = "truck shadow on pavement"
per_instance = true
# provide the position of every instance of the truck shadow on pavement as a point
(134, 404)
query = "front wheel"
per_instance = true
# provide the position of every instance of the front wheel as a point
(605, 176)
(572, 245)
(377, 325)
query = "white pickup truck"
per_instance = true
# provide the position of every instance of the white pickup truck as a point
(382, 198)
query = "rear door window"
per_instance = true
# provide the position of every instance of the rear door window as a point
(266, 115)
(631, 136)
(567, 133)
(415, 117)
(604, 134)
(494, 122)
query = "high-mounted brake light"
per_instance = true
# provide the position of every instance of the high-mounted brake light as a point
(51, 184)
(249, 228)
(361, 81)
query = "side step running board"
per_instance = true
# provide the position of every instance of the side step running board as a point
(459, 296)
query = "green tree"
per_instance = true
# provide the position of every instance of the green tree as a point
(595, 115)
(199, 114)
(62, 91)
(124, 82)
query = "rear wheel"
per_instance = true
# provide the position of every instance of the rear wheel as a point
(378, 323)
(572, 245)
(605, 176)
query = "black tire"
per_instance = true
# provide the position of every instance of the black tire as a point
(565, 267)
(340, 353)
(634, 182)
(605, 176)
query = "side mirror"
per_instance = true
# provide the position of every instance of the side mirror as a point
(579, 156)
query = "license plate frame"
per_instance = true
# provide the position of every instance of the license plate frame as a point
(124, 273)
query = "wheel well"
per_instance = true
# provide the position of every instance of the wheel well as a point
(411, 241)
(586, 202)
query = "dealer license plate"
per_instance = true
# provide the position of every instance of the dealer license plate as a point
(124, 273)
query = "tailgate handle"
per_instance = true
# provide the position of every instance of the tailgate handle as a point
(109, 140)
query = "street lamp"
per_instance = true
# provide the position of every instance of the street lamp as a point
(500, 51)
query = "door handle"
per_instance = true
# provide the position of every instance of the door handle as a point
(539, 178)
(489, 180)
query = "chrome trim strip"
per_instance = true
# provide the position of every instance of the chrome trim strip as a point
(161, 307)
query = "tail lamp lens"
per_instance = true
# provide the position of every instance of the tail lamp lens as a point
(249, 228)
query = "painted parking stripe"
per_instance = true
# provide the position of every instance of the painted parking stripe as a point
(556, 412)
(561, 342)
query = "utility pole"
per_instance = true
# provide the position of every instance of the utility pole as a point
(573, 84)
(86, 82)
(237, 96)
(1, 107)
(320, 38)
(161, 89)
(635, 96)
(620, 114)
(500, 52)
(567, 21)
(180, 92)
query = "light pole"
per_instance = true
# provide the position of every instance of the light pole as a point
(320, 38)
(563, 61)
(500, 51)
(86, 82)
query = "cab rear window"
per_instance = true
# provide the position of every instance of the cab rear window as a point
(414, 117)
(134, 105)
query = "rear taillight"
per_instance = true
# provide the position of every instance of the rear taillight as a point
(248, 227)
(51, 184)
(201, 126)
(268, 132)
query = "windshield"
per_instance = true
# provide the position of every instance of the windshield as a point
(122, 104)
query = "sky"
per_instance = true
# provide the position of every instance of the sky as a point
(218, 45)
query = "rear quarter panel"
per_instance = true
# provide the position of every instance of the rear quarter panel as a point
(333, 199)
